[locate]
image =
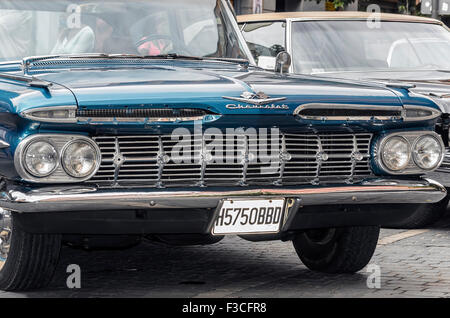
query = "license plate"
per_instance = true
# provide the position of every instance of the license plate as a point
(249, 217)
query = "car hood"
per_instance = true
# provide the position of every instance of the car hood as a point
(434, 84)
(207, 87)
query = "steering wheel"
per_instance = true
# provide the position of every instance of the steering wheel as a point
(167, 38)
(153, 37)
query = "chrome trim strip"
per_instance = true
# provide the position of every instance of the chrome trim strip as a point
(380, 191)
(345, 106)
(288, 42)
(3, 144)
(28, 114)
(383, 19)
(434, 112)
(30, 80)
(148, 120)
(73, 118)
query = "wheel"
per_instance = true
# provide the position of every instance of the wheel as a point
(424, 215)
(27, 261)
(341, 250)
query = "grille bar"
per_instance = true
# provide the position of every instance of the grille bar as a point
(445, 165)
(288, 159)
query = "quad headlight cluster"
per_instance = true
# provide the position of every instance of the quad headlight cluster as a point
(410, 152)
(57, 158)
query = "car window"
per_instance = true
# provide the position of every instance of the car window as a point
(146, 27)
(330, 46)
(265, 38)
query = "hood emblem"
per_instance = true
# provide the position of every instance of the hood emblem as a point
(255, 99)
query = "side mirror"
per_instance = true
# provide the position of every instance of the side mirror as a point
(283, 62)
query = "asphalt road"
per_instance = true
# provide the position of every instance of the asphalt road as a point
(411, 263)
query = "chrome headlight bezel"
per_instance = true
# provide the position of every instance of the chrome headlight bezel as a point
(59, 142)
(412, 137)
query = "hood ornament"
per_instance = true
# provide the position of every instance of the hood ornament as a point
(259, 98)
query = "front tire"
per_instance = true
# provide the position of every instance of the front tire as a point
(27, 261)
(340, 250)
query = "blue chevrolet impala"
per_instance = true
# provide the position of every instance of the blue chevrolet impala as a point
(366, 46)
(148, 120)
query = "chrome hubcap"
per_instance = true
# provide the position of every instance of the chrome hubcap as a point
(5, 236)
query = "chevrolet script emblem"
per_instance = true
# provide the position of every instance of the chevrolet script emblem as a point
(255, 99)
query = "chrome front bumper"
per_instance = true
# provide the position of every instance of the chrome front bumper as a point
(375, 191)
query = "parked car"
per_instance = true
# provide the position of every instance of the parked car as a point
(123, 120)
(407, 51)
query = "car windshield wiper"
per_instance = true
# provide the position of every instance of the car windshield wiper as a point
(171, 56)
(228, 59)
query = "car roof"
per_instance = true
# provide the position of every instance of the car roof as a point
(332, 15)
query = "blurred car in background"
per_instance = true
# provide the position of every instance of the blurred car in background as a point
(404, 51)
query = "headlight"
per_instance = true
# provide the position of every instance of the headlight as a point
(80, 159)
(40, 158)
(57, 158)
(410, 152)
(395, 153)
(427, 152)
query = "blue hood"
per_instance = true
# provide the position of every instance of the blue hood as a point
(197, 84)
(201, 87)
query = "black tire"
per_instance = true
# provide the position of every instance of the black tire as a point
(31, 260)
(424, 216)
(342, 250)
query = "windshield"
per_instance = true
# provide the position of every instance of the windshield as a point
(333, 46)
(265, 39)
(154, 27)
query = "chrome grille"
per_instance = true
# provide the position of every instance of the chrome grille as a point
(445, 165)
(287, 159)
